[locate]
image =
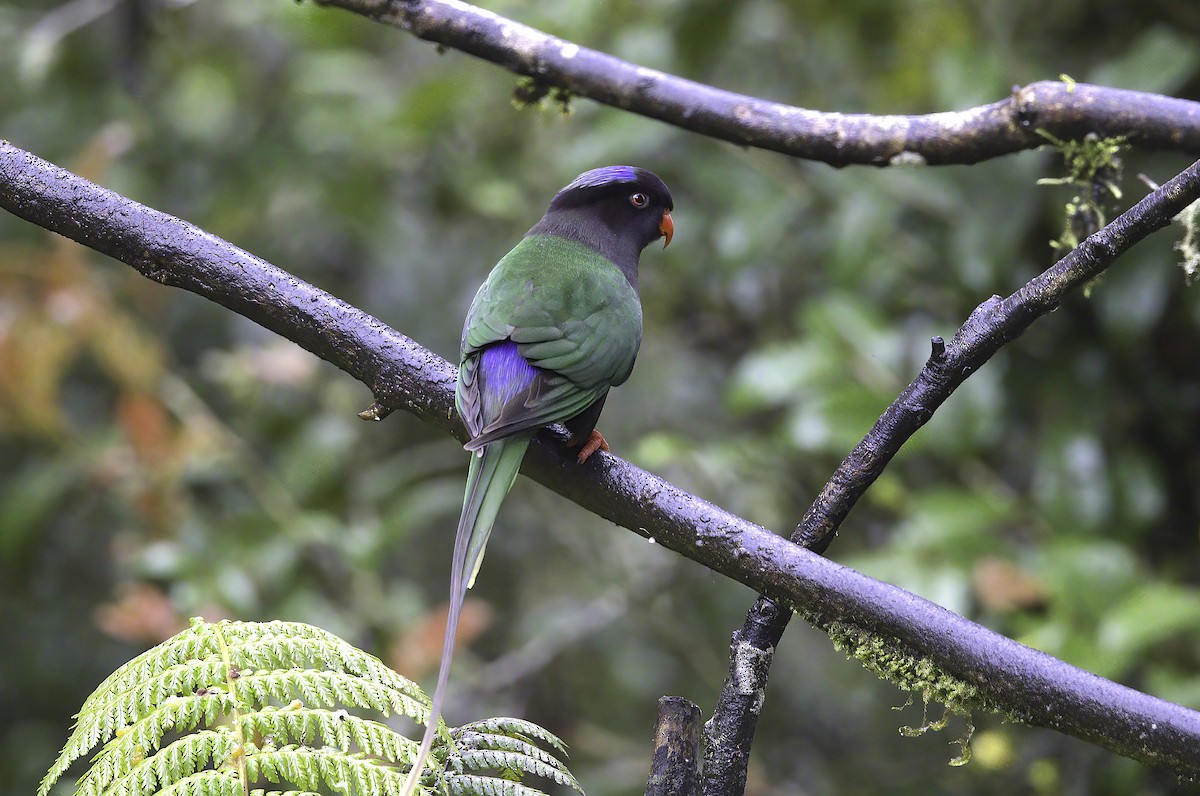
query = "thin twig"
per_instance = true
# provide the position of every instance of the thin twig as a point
(1065, 109)
(1004, 675)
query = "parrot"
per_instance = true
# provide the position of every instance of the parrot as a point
(556, 323)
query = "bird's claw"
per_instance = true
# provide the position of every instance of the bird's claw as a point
(595, 442)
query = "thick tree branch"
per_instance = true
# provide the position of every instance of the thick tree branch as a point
(1067, 110)
(999, 673)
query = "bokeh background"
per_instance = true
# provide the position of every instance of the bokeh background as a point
(161, 457)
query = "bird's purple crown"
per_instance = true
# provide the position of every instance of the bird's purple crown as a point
(606, 175)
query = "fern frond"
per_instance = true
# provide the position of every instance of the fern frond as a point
(473, 785)
(313, 769)
(496, 760)
(175, 761)
(196, 643)
(223, 707)
(514, 728)
(207, 783)
(471, 742)
(120, 701)
(507, 745)
(275, 648)
(326, 689)
(143, 738)
(338, 729)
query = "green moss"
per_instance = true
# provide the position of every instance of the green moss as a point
(893, 661)
(1093, 167)
(533, 92)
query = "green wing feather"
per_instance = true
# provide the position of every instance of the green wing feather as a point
(572, 314)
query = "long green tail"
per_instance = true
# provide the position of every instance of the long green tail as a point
(492, 472)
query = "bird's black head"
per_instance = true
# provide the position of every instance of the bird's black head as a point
(617, 210)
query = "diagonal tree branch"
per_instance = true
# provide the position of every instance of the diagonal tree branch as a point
(1065, 109)
(991, 671)
(994, 323)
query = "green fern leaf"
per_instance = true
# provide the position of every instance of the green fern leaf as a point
(338, 729)
(316, 768)
(515, 728)
(326, 689)
(172, 763)
(485, 759)
(225, 706)
(144, 737)
(206, 783)
(473, 741)
(474, 785)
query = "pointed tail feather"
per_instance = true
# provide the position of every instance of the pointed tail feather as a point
(492, 472)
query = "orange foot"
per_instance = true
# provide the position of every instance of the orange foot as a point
(595, 442)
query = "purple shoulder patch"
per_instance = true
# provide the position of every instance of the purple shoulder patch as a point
(503, 374)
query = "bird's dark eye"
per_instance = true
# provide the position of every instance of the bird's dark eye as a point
(639, 200)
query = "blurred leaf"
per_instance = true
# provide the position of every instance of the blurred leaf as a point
(1161, 60)
(28, 499)
(1003, 587)
(1148, 616)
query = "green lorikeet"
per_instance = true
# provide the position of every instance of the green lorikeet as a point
(557, 323)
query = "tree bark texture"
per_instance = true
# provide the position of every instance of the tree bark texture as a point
(675, 766)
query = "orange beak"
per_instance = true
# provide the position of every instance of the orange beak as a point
(667, 228)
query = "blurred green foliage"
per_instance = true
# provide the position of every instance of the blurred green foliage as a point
(161, 457)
